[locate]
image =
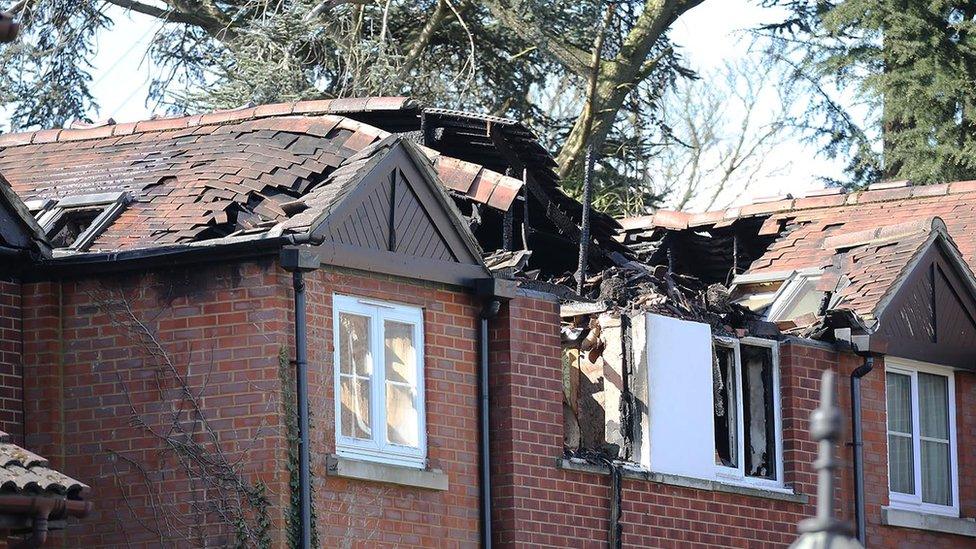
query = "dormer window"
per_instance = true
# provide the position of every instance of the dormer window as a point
(73, 222)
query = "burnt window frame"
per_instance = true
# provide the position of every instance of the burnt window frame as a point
(737, 474)
(51, 214)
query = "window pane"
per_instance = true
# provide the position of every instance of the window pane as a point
(354, 345)
(901, 453)
(935, 472)
(355, 376)
(354, 414)
(933, 405)
(899, 390)
(901, 466)
(401, 357)
(759, 418)
(724, 397)
(401, 416)
(402, 421)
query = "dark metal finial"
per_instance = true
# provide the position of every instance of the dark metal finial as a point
(826, 427)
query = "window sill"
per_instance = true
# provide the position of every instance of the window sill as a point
(430, 479)
(782, 494)
(891, 516)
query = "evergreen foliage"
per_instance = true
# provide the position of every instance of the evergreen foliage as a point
(912, 62)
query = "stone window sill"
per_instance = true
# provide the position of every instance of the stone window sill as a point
(685, 482)
(903, 518)
(429, 479)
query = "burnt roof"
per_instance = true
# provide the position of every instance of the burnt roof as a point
(866, 244)
(797, 228)
(867, 266)
(196, 178)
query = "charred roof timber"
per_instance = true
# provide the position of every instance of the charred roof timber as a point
(243, 172)
(877, 270)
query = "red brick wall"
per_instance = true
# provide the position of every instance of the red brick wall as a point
(101, 398)
(89, 378)
(365, 514)
(540, 505)
(876, 459)
(11, 388)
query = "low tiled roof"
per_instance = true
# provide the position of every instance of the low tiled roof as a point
(199, 177)
(22, 471)
(801, 225)
(868, 264)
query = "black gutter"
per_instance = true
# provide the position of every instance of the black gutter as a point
(300, 260)
(490, 311)
(169, 256)
(858, 443)
(301, 377)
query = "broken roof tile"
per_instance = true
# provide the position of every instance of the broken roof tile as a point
(255, 158)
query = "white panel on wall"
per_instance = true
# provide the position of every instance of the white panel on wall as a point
(679, 394)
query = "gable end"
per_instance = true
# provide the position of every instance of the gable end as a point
(397, 221)
(932, 315)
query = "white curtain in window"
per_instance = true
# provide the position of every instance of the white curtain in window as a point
(355, 376)
(401, 384)
(933, 404)
(901, 461)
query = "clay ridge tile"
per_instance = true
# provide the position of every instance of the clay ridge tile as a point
(884, 233)
(327, 106)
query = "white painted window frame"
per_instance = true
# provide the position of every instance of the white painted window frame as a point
(379, 449)
(913, 502)
(790, 292)
(49, 212)
(737, 475)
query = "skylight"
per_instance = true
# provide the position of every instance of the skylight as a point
(72, 223)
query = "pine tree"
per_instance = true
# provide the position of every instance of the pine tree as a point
(912, 62)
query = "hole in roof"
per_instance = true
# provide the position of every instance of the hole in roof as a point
(72, 224)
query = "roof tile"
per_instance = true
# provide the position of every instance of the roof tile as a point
(190, 182)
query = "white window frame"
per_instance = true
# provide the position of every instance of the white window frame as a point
(379, 449)
(48, 213)
(913, 502)
(790, 292)
(737, 475)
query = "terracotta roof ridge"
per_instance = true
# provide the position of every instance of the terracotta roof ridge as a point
(885, 233)
(307, 107)
(818, 199)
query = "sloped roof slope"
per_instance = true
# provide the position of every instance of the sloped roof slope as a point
(22, 471)
(866, 267)
(800, 226)
(203, 177)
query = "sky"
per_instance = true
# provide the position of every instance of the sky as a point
(709, 35)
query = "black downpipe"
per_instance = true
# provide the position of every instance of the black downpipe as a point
(301, 377)
(858, 444)
(490, 310)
